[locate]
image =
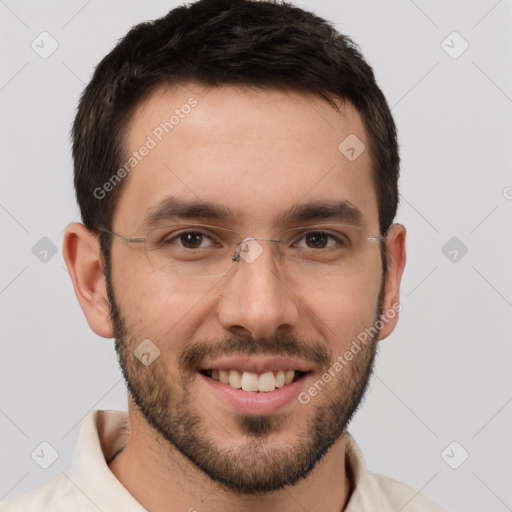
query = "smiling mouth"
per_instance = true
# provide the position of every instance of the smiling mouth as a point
(254, 382)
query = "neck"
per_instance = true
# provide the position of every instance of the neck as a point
(161, 479)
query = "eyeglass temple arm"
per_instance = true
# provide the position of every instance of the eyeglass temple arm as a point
(137, 240)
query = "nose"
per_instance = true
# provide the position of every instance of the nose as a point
(256, 299)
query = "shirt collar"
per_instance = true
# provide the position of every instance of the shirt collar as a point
(103, 434)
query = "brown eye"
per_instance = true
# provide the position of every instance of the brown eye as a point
(191, 240)
(317, 240)
(188, 240)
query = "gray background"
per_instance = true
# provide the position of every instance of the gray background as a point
(443, 376)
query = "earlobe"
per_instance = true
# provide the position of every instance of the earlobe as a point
(396, 258)
(81, 251)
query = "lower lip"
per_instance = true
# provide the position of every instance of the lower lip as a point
(250, 402)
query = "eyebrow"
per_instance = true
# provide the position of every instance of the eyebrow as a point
(340, 211)
(172, 208)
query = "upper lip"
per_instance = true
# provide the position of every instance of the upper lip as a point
(256, 364)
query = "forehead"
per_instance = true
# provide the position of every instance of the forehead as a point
(257, 152)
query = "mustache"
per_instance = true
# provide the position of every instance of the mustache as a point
(278, 345)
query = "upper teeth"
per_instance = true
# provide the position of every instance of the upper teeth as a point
(250, 381)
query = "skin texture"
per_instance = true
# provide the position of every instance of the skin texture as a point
(258, 153)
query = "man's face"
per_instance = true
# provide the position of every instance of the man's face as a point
(257, 154)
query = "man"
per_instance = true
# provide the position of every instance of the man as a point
(236, 168)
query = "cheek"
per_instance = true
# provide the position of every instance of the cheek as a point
(344, 310)
(162, 309)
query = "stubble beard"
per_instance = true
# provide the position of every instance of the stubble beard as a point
(257, 465)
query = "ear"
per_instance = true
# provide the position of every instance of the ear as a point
(82, 254)
(396, 256)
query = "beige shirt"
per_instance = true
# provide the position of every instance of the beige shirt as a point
(90, 486)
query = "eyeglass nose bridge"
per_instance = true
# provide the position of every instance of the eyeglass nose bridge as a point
(249, 251)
